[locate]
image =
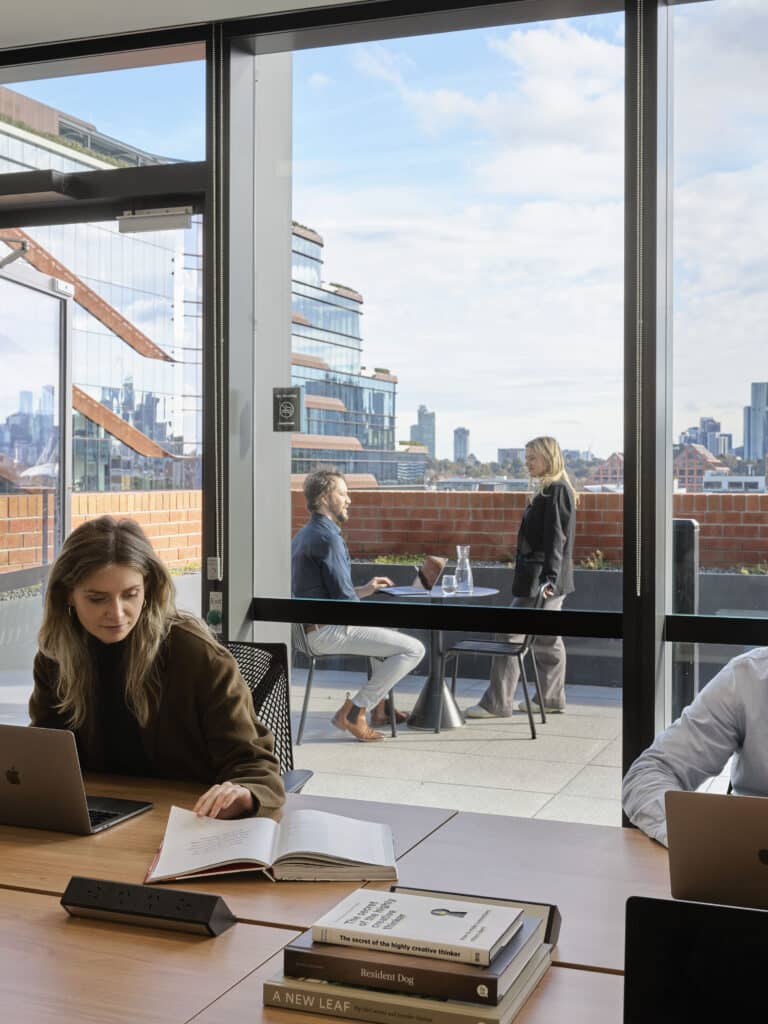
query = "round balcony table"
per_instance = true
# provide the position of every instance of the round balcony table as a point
(427, 706)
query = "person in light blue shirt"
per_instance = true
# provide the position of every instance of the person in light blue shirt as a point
(321, 569)
(728, 718)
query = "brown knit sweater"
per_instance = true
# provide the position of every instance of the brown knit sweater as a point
(204, 729)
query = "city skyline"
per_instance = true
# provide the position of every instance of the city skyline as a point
(475, 197)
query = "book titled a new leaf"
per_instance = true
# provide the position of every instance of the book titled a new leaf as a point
(306, 845)
(420, 925)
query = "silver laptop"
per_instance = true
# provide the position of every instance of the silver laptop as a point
(718, 848)
(41, 785)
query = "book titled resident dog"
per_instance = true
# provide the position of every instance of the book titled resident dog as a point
(306, 845)
(426, 925)
(415, 975)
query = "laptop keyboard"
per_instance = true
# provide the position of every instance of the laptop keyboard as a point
(101, 817)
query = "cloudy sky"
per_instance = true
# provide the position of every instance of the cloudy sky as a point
(470, 185)
(476, 201)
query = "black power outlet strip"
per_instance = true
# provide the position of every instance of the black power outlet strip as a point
(198, 912)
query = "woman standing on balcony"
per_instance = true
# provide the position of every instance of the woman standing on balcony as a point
(146, 689)
(544, 559)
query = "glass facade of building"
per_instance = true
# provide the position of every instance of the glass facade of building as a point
(136, 337)
(342, 399)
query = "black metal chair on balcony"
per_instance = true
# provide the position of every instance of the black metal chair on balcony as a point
(500, 648)
(264, 667)
(300, 644)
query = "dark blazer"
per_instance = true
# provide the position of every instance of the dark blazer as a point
(204, 729)
(545, 543)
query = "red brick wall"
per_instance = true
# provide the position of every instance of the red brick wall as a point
(171, 519)
(733, 527)
(434, 522)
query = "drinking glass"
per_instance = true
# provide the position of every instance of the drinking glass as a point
(449, 585)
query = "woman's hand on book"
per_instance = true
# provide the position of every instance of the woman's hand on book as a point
(225, 800)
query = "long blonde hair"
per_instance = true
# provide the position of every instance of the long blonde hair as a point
(549, 450)
(92, 546)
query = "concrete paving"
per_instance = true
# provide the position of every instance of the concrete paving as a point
(571, 772)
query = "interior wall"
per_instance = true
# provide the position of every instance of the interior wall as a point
(39, 21)
(259, 510)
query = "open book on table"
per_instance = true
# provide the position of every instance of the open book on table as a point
(307, 845)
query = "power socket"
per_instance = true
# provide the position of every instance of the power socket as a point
(198, 912)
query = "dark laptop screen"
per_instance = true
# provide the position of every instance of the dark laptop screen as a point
(693, 962)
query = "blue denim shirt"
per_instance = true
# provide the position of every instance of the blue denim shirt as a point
(320, 565)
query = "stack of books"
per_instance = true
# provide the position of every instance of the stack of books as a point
(415, 957)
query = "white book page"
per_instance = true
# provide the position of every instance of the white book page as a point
(333, 836)
(193, 844)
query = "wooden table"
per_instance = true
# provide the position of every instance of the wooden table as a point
(563, 995)
(55, 969)
(45, 861)
(587, 870)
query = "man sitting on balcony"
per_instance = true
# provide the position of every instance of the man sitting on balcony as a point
(321, 569)
(728, 717)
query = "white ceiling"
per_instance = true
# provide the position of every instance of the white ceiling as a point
(26, 22)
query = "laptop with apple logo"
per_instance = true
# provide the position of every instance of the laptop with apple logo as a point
(41, 785)
(718, 847)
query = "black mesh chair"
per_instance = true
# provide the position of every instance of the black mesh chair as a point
(499, 648)
(264, 667)
(300, 644)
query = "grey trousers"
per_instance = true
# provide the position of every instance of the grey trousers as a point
(394, 655)
(505, 672)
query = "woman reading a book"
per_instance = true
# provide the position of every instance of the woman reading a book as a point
(544, 560)
(145, 688)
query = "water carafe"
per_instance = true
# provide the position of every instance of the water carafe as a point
(464, 584)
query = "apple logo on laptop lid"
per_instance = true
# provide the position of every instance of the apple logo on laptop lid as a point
(13, 776)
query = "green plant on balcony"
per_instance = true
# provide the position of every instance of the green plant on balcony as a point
(399, 559)
(597, 560)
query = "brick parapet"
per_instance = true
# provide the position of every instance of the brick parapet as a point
(172, 520)
(733, 528)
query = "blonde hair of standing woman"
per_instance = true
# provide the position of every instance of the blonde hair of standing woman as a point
(94, 545)
(549, 450)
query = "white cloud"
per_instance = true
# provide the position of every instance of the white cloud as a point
(497, 317)
(556, 124)
(557, 169)
(720, 209)
(721, 238)
(318, 80)
(495, 291)
(497, 298)
(720, 85)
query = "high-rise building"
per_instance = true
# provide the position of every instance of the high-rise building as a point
(423, 431)
(708, 434)
(460, 444)
(509, 456)
(349, 410)
(756, 422)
